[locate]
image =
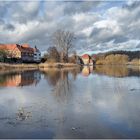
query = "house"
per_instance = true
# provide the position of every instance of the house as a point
(27, 53)
(87, 59)
(22, 53)
(12, 51)
(37, 55)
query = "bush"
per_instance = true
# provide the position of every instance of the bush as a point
(135, 62)
(113, 59)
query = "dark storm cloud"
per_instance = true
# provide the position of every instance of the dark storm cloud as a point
(22, 11)
(9, 27)
(106, 35)
(133, 5)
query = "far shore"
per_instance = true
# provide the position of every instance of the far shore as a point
(7, 66)
(43, 66)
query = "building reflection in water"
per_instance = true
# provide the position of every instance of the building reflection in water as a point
(24, 78)
(87, 70)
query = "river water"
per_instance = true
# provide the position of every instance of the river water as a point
(90, 102)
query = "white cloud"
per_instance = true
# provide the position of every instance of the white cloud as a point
(36, 21)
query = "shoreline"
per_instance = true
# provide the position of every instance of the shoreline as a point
(6, 66)
(43, 66)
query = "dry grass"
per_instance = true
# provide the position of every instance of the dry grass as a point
(117, 71)
(4, 66)
(134, 62)
(116, 59)
(57, 65)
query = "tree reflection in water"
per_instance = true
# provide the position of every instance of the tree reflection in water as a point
(118, 71)
(62, 81)
(111, 70)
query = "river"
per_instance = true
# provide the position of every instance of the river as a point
(89, 102)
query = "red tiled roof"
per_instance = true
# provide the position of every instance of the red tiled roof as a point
(8, 46)
(22, 48)
(25, 48)
(85, 56)
(26, 45)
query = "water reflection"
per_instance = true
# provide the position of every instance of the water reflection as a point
(117, 71)
(20, 78)
(59, 78)
(61, 81)
(114, 71)
(23, 114)
(71, 103)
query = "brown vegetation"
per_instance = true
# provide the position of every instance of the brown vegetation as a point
(4, 66)
(57, 65)
(117, 71)
(134, 62)
(113, 60)
(112, 71)
(118, 58)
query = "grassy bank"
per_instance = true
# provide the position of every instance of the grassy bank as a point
(4, 66)
(57, 65)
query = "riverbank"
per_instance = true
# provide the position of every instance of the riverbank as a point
(5, 66)
(57, 65)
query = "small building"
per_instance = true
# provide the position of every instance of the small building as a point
(87, 59)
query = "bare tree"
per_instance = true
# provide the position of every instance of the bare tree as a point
(53, 54)
(64, 41)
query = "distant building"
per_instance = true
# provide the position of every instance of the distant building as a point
(12, 50)
(87, 59)
(23, 53)
(27, 53)
(37, 55)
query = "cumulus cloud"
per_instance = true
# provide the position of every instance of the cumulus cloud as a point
(98, 25)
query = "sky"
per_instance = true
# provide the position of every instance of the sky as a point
(99, 26)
